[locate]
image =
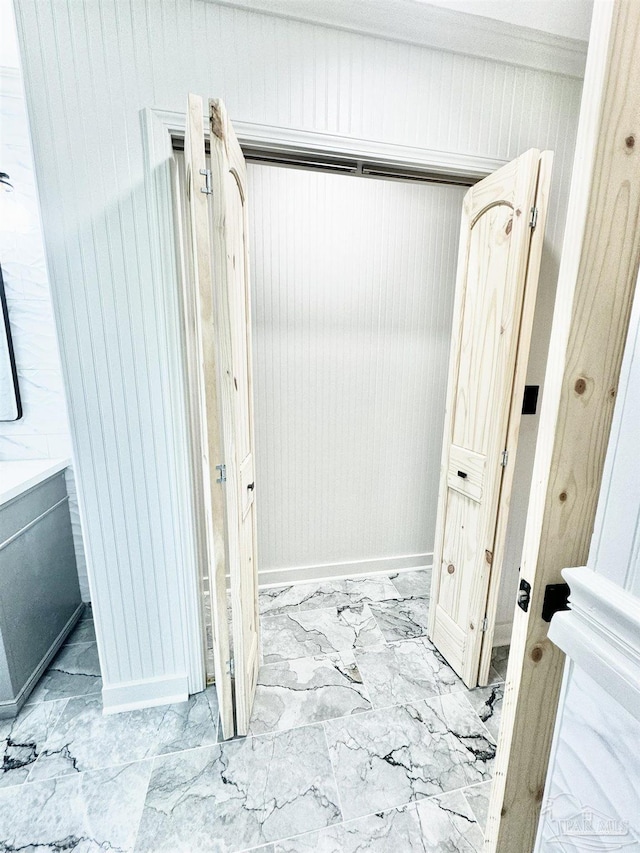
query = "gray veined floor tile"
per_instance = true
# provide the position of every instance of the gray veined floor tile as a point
(75, 671)
(442, 824)
(279, 599)
(448, 825)
(394, 830)
(307, 690)
(86, 739)
(487, 702)
(478, 798)
(400, 620)
(405, 671)
(343, 592)
(388, 757)
(318, 632)
(84, 632)
(94, 811)
(23, 738)
(413, 584)
(185, 725)
(239, 794)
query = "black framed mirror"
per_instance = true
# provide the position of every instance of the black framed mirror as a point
(10, 404)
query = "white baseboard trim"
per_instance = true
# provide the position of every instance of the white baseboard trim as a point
(502, 634)
(334, 571)
(133, 695)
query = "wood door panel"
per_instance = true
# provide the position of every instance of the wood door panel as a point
(199, 311)
(488, 338)
(233, 323)
(466, 472)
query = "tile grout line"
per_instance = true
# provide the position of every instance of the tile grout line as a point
(144, 802)
(333, 772)
(406, 805)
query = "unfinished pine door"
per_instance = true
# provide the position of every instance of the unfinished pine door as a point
(498, 266)
(233, 328)
(198, 312)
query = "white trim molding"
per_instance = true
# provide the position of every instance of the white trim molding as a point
(430, 26)
(291, 140)
(133, 695)
(158, 156)
(601, 634)
(325, 571)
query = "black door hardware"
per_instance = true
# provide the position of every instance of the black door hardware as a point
(524, 594)
(251, 486)
(556, 598)
(463, 474)
(530, 399)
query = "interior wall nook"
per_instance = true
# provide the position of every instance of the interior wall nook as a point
(90, 70)
(353, 298)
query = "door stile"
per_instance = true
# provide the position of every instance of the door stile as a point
(513, 429)
(210, 449)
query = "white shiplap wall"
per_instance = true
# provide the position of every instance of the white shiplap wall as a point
(90, 69)
(353, 282)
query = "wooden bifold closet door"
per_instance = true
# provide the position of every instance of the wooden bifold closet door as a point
(503, 222)
(217, 236)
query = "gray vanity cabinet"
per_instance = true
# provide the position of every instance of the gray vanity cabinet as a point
(39, 592)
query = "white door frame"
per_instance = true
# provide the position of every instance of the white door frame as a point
(158, 128)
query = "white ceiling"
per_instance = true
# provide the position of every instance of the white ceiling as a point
(570, 18)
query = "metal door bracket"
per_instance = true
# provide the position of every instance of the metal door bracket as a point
(223, 473)
(534, 217)
(505, 458)
(485, 624)
(207, 182)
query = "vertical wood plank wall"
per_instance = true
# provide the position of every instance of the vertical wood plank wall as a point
(353, 294)
(89, 69)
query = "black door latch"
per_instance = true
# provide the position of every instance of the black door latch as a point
(556, 598)
(524, 594)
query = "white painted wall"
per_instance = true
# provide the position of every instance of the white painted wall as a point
(90, 70)
(353, 282)
(43, 430)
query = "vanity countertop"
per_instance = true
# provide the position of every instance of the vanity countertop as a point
(17, 477)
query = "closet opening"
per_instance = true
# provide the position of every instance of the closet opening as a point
(352, 291)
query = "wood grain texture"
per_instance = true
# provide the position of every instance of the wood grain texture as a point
(199, 312)
(232, 294)
(595, 291)
(490, 331)
(513, 429)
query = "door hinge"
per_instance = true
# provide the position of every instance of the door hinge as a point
(223, 473)
(231, 667)
(485, 624)
(505, 458)
(534, 217)
(207, 182)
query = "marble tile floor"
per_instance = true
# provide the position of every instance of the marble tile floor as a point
(362, 738)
